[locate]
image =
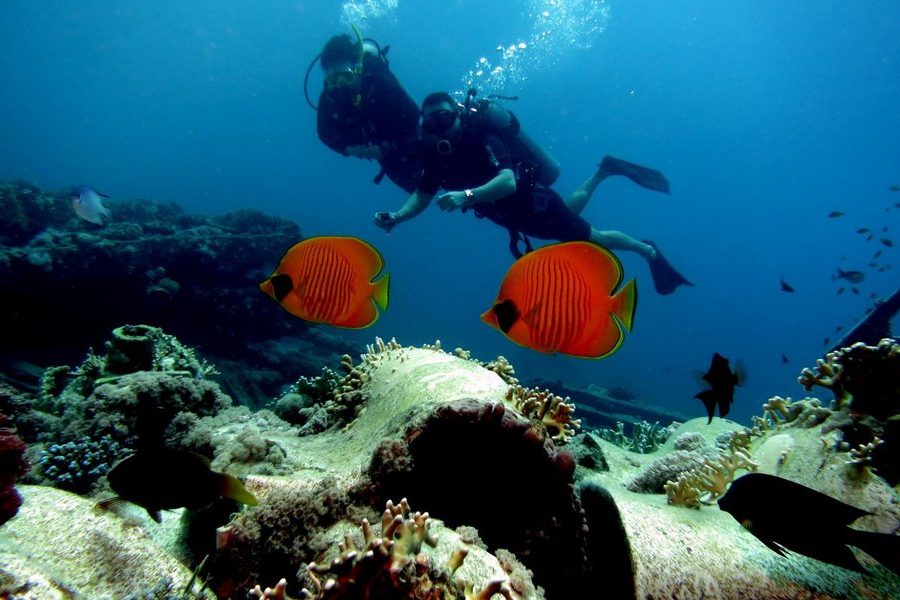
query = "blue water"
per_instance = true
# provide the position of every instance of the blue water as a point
(765, 116)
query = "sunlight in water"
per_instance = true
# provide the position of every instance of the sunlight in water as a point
(558, 26)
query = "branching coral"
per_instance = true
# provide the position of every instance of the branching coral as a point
(709, 482)
(645, 436)
(504, 369)
(389, 564)
(865, 378)
(776, 409)
(542, 405)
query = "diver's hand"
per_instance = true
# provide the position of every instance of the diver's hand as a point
(368, 152)
(386, 220)
(452, 201)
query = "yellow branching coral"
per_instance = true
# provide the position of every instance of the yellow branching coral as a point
(683, 492)
(504, 369)
(553, 411)
(709, 482)
(777, 409)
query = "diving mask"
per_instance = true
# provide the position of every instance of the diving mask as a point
(343, 76)
(439, 121)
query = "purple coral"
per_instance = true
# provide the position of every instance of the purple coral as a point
(13, 465)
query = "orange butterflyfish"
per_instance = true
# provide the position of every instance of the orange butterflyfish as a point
(331, 280)
(562, 298)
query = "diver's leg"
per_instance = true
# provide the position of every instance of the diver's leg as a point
(616, 240)
(579, 198)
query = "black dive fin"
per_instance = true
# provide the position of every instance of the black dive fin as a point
(709, 400)
(644, 177)
(665, 278)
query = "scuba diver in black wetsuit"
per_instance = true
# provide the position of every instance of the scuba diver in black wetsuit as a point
(363, 110)
(477, 171)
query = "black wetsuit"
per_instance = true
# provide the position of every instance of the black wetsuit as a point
(533, 210)
(386, 116)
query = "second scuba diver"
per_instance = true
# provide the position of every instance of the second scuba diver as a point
(364, 111)
(478, 172)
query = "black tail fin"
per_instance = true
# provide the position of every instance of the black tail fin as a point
(883, 547)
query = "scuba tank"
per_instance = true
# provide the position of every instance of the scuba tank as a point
(493, 116)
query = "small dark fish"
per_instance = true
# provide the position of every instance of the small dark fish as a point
(855, 291)
(835, 214)
(823, 532)
(826, 341)
(887, 242)
(784, 359)
(883, 268)
(870, 237)
(869, 310)
(884, 229)
(839, 328)
(786, 287)
(722, 382)
(873, 265)
(163, 479)
(840, 291)
(851, 276)
(862, 230)
(896, 204)
(877, 254)
(894, 188)
(873, 295)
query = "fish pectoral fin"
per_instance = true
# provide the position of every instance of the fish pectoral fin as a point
(533, 315)
(112, 504)
(709, 400)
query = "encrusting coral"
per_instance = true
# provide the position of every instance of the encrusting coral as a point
(13, 466)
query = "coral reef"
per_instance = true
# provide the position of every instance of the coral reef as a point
(417, 418)
(865, 381)
(77, 465)
(391, 564)
(864, 378)
(645, 437)
(709, 482)
(692, 452)
(146, 390)
(13, 466)
(306, 401)
(194, 276)
(554, 412)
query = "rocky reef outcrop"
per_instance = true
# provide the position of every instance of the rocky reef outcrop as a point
(65, 282)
